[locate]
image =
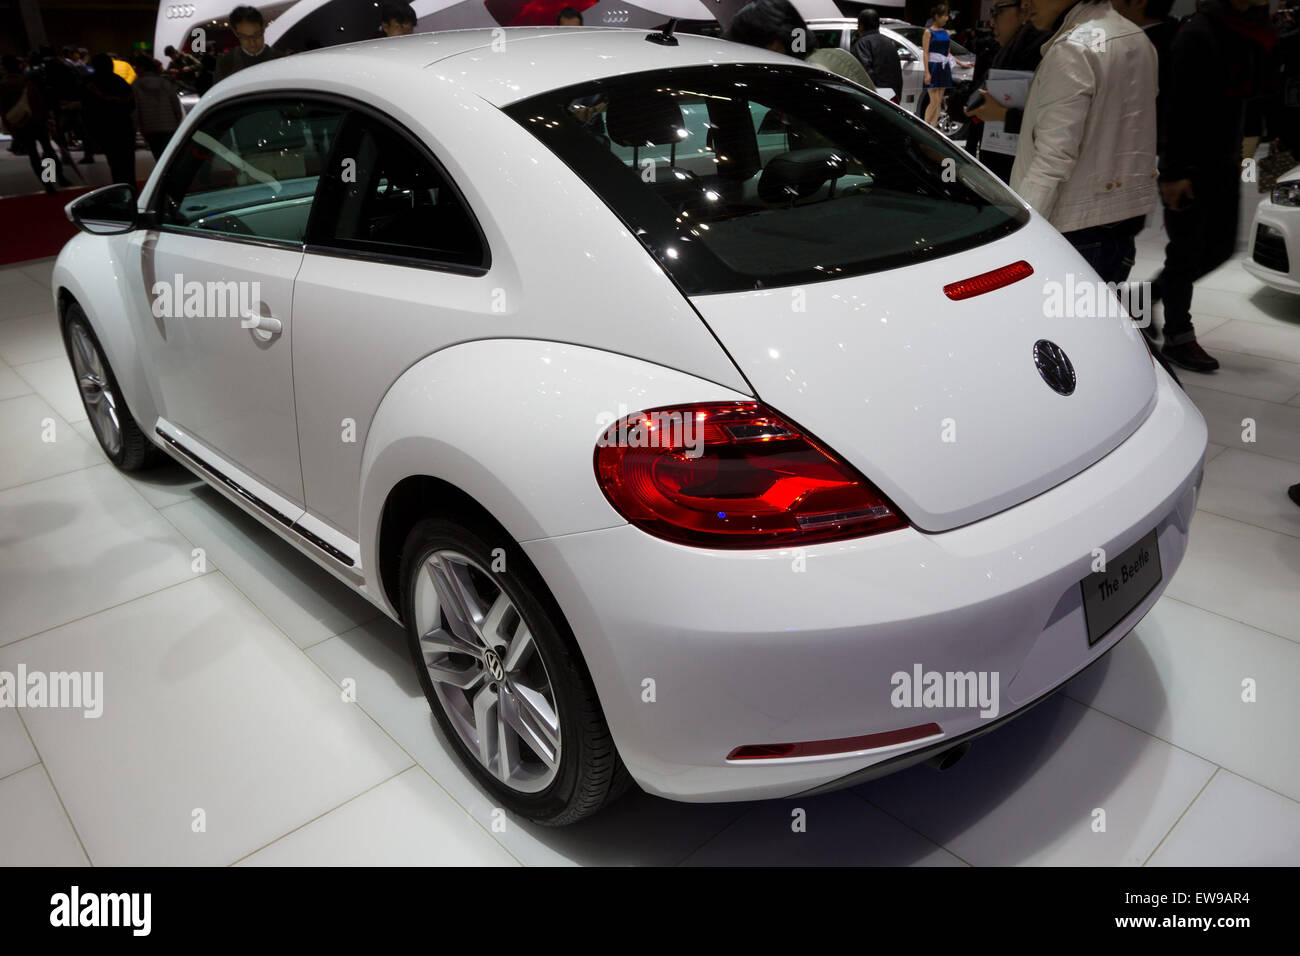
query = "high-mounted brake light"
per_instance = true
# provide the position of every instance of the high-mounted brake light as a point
(734, 475)
(988, 281)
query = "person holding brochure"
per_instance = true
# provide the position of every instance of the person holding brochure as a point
(1017, 57)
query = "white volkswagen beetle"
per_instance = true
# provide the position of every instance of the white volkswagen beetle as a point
(696, 411)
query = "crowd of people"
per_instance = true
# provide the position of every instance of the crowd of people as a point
(1128, 111)
(54, 104)
(1156, 110)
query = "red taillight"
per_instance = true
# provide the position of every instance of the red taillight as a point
(841, 745)
(988, 281)
(734, 475)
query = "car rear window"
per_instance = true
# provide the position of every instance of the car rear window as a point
(757, 176)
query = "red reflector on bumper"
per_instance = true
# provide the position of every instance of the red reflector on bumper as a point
(841, 745)
(988, 281)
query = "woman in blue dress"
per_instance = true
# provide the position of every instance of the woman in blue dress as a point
(938, 62)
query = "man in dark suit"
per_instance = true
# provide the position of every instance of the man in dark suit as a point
(1218, 60)
(878, 54)
(1154, 19)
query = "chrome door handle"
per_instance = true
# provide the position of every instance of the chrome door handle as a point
(268, 325)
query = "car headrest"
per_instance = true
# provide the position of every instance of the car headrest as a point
(734, 145)
(644, 119)
(800, 173)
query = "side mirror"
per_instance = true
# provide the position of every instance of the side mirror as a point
(108, 211)
(907, 56)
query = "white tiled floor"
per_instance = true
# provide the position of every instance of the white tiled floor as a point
(16, 179)
(1031, 793)
(1233, 823)
(226, 700)
(406, 821)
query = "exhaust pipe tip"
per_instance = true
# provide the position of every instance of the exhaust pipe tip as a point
(947, 759)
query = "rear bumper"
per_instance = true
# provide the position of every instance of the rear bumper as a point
(696, 652)
(924, 752)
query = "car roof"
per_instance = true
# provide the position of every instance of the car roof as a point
(501, 65)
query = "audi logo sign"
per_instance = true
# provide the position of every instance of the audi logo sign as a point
(180, 11)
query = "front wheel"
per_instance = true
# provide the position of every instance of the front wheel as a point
(119, 436)
(502, 676)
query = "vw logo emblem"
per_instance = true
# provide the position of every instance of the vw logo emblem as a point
(493, 665)
(1054, 366)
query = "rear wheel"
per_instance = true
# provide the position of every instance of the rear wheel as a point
(502, 675)
(116, 430)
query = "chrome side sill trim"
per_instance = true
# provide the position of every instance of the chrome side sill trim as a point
(293, 524)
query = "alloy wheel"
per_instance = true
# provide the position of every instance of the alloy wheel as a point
(486, 671)
(96, 391)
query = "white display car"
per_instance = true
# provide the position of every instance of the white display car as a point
(1274, 253)
(694, 409)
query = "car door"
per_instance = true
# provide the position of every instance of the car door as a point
(396, 268)
(913, 76)
(232, 210)
(909, 59)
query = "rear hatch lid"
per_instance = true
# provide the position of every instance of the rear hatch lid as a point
(815, 226)
(941, 403)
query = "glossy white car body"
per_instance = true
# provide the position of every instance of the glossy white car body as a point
(506, 404)
(1275, 239)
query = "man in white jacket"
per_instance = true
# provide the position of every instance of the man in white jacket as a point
(1086, 160)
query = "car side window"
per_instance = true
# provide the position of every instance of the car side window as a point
(830, 38)
(250, 170)
(393, 200)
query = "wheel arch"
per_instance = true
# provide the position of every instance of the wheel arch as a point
(82, 267)
(411, 499)
(502, 432)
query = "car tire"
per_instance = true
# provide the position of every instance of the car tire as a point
(466, 591)
(122, 440)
